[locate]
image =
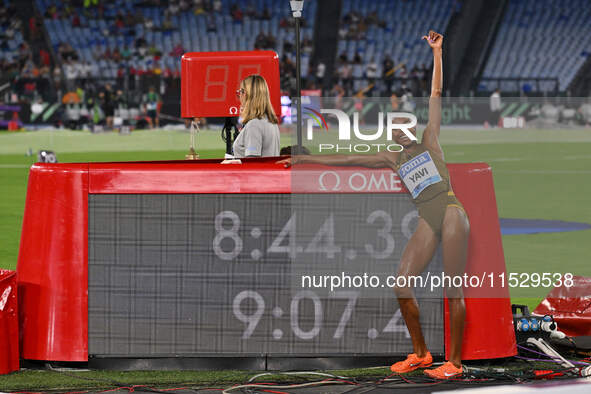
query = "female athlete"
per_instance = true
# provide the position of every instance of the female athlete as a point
(441, 219)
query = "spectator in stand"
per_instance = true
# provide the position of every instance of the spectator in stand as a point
(264, 41)
(338, 93)
(148, 24)
(68, 10)
(421, 76)
(371, 72)
(76, 21)
(125, 53)
(119, 21)
(426, 73)
(173, 7)
(154, 51)
(415, 82)
(357, 58)
(167, 23)
(361, 30)
(32, 28)
(57, 79)
(184, 5)
(207, 6)
(142, 51)
(107, 54)
(285, 23)
(83, 71)
(236, 13)
(408, 103)
(71, 71)
(29, 69)
(403, 74)
(343, 57)
(177, 51)
(24, 52)
(211, 25)
(140, 42)
(388, 73)
(372, 18)
(138, 17)
(44, 57)
(67, 52)
(92, 69)
(307, 45)
(345, 76)
(250, 11)
(129, 19)
(116, 56)
(266, 14)
(199, 10)
(320, 71)
(217, 6)
(51, 12)
(288, 46)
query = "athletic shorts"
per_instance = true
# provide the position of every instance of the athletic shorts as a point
(433, 211)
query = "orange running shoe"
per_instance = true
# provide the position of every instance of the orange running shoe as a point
(411, 363)
(446, 371)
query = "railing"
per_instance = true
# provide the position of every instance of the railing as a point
(518, 86)
(382, 87)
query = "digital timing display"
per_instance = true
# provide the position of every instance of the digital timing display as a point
(206, 274)
(209, 81)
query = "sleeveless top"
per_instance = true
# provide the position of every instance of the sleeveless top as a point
(424, 174)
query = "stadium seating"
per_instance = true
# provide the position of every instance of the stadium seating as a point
(10, 53)
(405, 23)
(190, 31)
(540, 39)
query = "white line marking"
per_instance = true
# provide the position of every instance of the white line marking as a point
(544, 172)
(510, 159)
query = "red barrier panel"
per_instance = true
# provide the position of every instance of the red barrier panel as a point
(9, 355)
(571, 311)
(488, 310)
(52, 265)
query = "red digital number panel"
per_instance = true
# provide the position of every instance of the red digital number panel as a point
(209, 81)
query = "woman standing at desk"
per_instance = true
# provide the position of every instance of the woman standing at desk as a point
(260, 135)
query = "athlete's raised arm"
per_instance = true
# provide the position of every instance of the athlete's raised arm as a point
(379, 160)
(431, 133)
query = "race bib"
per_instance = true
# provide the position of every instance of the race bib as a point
(418, 173)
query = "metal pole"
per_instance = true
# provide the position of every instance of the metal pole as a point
(296, 9)
(298, 80)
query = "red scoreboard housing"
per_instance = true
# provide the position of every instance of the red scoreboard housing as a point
(52, 272)
(209, 81)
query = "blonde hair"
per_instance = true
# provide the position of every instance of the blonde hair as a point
(257, 102)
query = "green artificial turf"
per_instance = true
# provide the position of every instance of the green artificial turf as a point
(98, 381)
